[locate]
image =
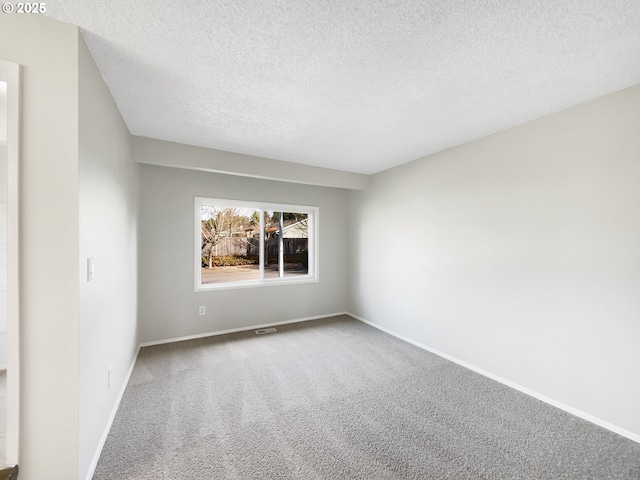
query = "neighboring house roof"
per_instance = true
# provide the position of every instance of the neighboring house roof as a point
(299, 229)
(291, 229)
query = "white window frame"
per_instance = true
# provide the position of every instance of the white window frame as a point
(313, 221)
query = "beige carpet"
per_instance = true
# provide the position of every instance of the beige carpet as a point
(338, 399)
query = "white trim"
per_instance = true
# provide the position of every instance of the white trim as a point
(10, 73)
(114, 411)
(260, 254)
(241, 329)
(574, 411)
(255, 205)
(3, 367)
(312, 275)
(267, 282)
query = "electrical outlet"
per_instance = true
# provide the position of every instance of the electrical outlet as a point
(202, 310)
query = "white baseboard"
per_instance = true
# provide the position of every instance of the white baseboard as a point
(105, 434)
(3, 332)
(567, 408)
(241, 329)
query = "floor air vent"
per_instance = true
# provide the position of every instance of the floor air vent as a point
(262, 331)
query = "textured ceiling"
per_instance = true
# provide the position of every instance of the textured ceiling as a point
(356, 85)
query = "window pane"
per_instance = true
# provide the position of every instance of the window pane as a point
(286, 246)
(271, 244)
(295, 235)
(230, 239)
(242, 243)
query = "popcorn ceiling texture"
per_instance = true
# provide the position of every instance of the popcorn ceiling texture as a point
(356, 85)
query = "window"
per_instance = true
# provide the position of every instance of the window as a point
(241, 244)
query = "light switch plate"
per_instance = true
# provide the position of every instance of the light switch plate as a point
(91, 269)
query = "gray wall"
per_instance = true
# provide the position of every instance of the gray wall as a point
(178, 155)
(78, 187)
(523, 258)
(3, 112)
(48, 53)
(108, 184)
(168, 306)
(3, 228)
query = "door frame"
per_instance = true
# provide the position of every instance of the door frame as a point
(10, 73)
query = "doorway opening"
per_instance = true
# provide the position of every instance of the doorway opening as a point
(9, 264)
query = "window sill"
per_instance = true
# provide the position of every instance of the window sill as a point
(252, 284)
